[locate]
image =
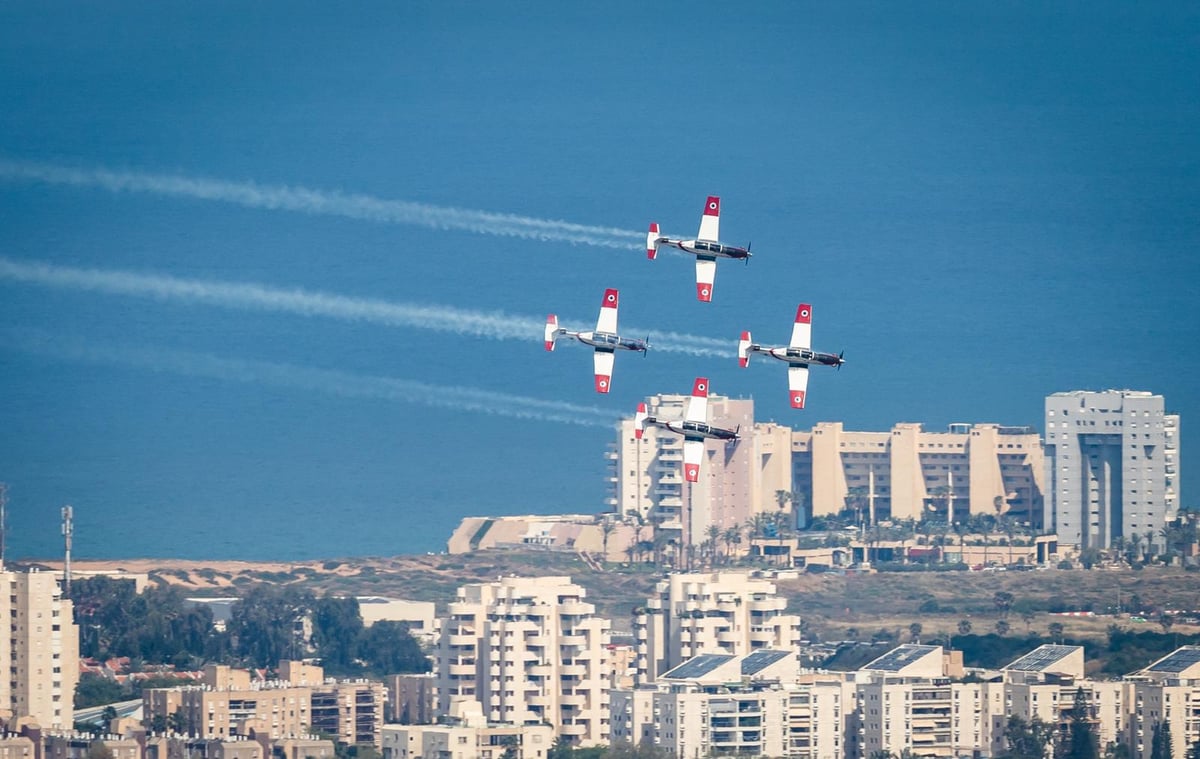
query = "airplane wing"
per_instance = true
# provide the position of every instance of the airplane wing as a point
(797, 384)
(693, 454)
(710, 222)
(802, 329)
(607, 322)
(603, 361)
(706, 272)
(697, 409)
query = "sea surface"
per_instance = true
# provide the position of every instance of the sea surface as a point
(202, 206)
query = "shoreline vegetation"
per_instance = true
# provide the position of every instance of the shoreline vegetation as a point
(1084, 602)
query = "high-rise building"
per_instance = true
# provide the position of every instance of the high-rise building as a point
(908, 473)
(1112, 466)
(729, 613)
(529, 649)
(737, 480)
(40, 652)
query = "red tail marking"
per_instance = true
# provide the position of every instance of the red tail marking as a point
(602, 383)
(798, 399)
(804, 314)
(704, 292)
(712, 206)
(700, 388)
(691, 473)
(610, 299)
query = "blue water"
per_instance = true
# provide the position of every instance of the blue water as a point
(986, 203)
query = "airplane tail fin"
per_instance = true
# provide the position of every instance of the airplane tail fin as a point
(744, 350)
(639, 421)
(551, 331)
(652, 241)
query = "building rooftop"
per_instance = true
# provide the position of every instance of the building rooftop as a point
(1042, 658)
(900, 657)
(698, 666)
(1177, 661)
(759, 660)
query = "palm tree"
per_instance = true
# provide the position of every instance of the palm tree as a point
(732, 536)
(713, 535)
(607, 527)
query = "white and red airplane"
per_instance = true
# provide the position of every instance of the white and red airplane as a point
(604, 339)
(796, 353)
(694, 427)
(706, 247)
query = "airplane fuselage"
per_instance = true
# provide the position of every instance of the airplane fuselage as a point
(694, 430)
(798, 356)
(606, 341)
(706, 248)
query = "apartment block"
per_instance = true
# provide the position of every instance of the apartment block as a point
(747, 705)
(277, 709)
(350, 709)
(1167, 691)
(909, 473)
(732, 613)
(466, 734)
(40, 649)
(410, 698)
(1112, 466)
(530, 650)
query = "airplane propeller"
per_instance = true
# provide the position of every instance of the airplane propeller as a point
(747, 258)
(841, 360)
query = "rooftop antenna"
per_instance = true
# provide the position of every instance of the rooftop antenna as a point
(67, 529)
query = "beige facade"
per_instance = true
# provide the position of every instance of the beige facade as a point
(720, 612)
(529, 649)
(280, 711)
(750, 705)
(736, 480)
(1166, 691)
(467, 735)
(908, 473)
(40, 652)
(350, 709)
(411, 698)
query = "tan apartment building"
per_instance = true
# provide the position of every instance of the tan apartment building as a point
(1166, 691)
(749, 705)
(466, 734)
(529, 649)
(736, 480)
(40, 650)
(731, 613)
(908, 473)
(411, 698)
(350, 709)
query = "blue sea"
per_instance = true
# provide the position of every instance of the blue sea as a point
(984, 202)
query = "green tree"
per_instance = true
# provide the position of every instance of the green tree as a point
(1160, 743)
(337, 626)
(1026, 740)
(1193, 751)
(607, 527)
(388, 648)
(1002, 627)
(914, 632)
(94, 690)
(1080, 741)
(1055, 629)
(1003, 601)
(964, 627)
(264, 624)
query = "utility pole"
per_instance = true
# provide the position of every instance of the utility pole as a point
(3, 505)
(67, 529)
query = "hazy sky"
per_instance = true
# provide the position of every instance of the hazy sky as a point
(272, 275)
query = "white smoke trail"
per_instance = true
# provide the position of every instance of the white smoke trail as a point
(495, 325)
(291, 376)
(326, 203)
